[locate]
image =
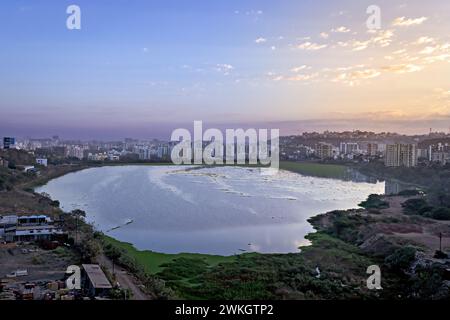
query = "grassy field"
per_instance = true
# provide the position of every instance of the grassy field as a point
(152, 261)
(315, 169)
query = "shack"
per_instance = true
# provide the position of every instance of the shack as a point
(95, 282)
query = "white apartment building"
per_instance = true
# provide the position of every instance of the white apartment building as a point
(400, 155)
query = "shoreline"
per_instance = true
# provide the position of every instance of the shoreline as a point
(343, 244)
(305, 168)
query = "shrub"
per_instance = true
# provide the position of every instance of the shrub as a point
(414, 206)
(401, 259)
(410, 192)
(427, 282)
(440, 214)
(374, 201)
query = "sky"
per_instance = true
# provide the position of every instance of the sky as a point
(141, 68)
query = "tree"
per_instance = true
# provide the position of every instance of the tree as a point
(440, 214)
(401, 259)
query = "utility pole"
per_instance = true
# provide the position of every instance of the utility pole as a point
(76, 229)
(440, 241)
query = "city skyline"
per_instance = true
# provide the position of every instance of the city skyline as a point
(146, 68)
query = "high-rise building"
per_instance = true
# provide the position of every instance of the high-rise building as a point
(348, 148)
(8, 142)
(75, 152)
(439, 153)
(372, 149)
(144, 152)
(400, 155)
(324, 150)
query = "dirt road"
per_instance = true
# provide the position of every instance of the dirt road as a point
(125, 280)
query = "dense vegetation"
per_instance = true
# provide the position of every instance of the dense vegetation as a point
(435, 179)
(420, 206)
(374, 201)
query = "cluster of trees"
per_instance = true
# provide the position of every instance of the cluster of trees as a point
(374, 201)
(435, 179)
(420, 206)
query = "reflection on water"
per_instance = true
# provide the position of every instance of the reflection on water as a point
(224, 210)
(394, 187)
(391, 187)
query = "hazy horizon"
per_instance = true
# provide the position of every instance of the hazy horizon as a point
(163, 130)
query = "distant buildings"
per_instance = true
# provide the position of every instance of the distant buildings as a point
(143, 152)
(355, 146)
(372, 149)
(102, 156)
(346, 148)
(4, 163)
(324, 150)
(439, 153)
(9, 142)
(153, 151)
(400, 155)
(28, 228)
(42, 161)
(75, 152)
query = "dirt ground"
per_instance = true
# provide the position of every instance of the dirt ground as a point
(41, 265)
(423, 232)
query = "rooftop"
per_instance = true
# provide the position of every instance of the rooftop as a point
(96, 276)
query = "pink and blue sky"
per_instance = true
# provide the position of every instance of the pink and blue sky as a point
(142, 68)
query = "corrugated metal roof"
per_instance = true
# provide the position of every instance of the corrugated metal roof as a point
(96, 276)
(8, 219)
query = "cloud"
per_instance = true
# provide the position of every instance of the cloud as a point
(403, 68)
(424, 40)
(442, 93)
(311, 46)
(254, 13)
(428, 50)
(224, 68)
(401, 51)
(250, 12)
(360, 45)
(298, 69)
(381, 38)
(354, 77)
(404, 22)
(439, 47)
(276, 77)
(324, 35)
(296, 78)
(439, 57)
(260, 40)
(341, 30)
(303, 77)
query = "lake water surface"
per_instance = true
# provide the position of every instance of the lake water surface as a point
(223, 210)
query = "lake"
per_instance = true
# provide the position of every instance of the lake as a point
(220, 210)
